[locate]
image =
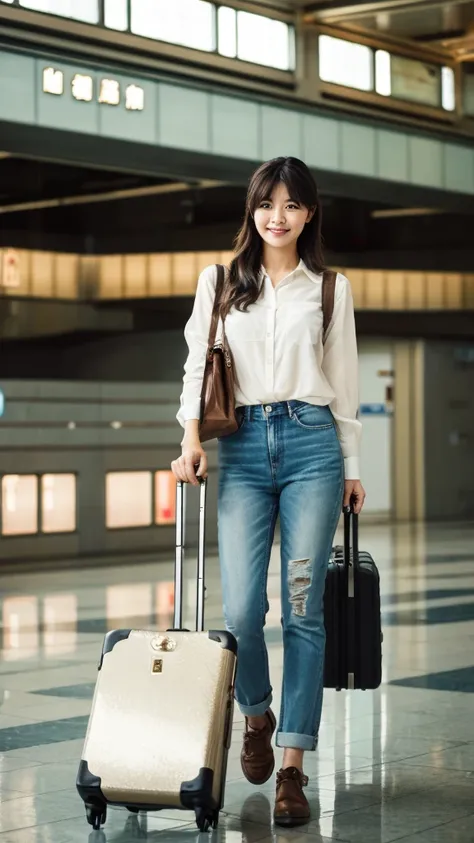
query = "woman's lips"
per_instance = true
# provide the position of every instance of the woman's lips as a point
(278, 232)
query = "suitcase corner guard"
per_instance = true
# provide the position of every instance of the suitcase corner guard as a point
(225, 639)
(88, 785)
(111, 639)
(198, 792)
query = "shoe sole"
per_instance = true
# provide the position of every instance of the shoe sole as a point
(291, 822)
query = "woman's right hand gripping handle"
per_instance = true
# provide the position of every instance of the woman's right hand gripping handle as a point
(193, 460)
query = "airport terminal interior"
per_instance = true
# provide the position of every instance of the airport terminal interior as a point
(129, 130)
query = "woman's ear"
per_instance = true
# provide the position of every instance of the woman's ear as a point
(311, 213)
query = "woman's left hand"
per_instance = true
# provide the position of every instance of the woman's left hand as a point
(354, 493)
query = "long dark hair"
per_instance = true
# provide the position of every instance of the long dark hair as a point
(244, 284)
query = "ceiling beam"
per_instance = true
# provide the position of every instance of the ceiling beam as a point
(107, 196)
(364, 8)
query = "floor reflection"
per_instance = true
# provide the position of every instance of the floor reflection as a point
(394, 765)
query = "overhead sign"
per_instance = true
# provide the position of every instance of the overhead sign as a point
(82, 89)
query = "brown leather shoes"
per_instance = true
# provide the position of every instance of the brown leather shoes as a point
(291, 805)
(257, 757)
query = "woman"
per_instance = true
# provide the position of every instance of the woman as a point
(295, 454)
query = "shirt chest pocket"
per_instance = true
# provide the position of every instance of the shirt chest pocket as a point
(300, 322)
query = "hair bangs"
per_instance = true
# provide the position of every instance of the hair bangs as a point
(244, 285)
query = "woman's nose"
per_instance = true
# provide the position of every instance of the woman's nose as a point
(278, 216)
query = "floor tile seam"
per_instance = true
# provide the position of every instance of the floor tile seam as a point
(448, 744)
(386, 800)
(446, 769)
(425, 754)
(382, 801)
(389, 799)
(438, 752)
(28, 794)
(422, 766)
(57, 822)
(54, 666)
(431, 828)
(412, 833)
(40, 823)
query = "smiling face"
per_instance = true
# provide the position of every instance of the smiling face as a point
(279, 219)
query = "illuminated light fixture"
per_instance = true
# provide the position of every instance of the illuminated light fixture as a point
(134, 98)
(448, 89)
(383, 80)
(82, 87)
(109, 92)
(71, 425)
(53, 81)
(116, 425)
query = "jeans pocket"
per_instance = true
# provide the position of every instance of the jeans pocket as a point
(240, 415)
(313, 417)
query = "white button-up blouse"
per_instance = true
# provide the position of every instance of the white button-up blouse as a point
(279, 353)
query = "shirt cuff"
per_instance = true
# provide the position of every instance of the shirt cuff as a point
(352, 468)
(189, 411)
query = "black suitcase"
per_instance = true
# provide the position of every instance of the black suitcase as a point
(352, 616)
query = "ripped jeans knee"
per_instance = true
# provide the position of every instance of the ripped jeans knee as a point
(299, 583)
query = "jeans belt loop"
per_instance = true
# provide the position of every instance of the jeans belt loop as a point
(290, 410)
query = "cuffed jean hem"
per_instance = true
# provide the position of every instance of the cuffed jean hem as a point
(256, 710)
(292, 740)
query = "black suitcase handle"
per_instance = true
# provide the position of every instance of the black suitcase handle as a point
(351, 565)
(351, 520)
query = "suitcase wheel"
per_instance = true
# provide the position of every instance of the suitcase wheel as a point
(96, 816)
(206, 819)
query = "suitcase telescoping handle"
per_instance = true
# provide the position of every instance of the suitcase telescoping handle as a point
(180, 549)
(351, 564)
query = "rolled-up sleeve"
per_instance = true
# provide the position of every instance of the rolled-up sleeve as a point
(341, 369)
(196, 334)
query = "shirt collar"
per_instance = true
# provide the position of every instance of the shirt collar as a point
(300, 268)
(311, 275)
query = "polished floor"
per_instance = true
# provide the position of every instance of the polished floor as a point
(393, 765)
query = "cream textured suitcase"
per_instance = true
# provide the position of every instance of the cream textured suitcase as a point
(161, 720)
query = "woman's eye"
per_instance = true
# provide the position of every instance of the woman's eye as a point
(293, 207)
(265, 205)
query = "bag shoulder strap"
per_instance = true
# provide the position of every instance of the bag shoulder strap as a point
(328, 295)
(216, 306)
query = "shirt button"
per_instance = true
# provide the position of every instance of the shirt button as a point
(268, 408)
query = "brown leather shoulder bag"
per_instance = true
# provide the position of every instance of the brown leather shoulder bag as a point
(327, 298)
(218, 416)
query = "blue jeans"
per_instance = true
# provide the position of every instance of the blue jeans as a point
(284, 459)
